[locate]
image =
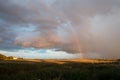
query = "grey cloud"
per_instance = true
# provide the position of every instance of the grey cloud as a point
(87, 26)
(0, 40)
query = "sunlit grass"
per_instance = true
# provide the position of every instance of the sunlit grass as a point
(59, 69)
(60, 61)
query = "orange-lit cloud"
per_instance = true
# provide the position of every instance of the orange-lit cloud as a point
(90, 27)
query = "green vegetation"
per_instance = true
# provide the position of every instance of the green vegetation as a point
(3, 57)
(23, 70)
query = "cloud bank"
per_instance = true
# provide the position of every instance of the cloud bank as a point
(90, 27)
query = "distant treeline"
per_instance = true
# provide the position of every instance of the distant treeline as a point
(3, 57)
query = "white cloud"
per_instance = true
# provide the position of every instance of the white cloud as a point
(49, 54)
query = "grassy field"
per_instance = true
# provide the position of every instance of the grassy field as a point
(52, 70)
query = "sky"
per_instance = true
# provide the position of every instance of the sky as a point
(60, 29)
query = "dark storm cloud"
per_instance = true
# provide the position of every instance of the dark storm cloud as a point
(87, 26)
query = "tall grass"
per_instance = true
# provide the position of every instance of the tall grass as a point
(50, 71)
